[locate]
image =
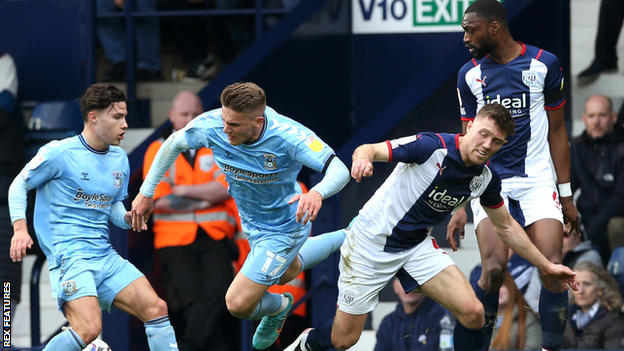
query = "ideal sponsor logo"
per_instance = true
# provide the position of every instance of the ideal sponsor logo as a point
(441, 202)
(408, 16)
(516, 106)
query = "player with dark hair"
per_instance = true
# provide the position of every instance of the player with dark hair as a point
(81, 182)
(436, 175)
(261, 153)
(529, 82)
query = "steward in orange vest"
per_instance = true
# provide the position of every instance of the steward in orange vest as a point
(178, 229)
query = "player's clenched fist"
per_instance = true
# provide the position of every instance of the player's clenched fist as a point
(361, 168)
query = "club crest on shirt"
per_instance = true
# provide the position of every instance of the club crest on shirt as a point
(270, 162)
(69, 287)
(117, 179)
(529, 78)
(206, 162)
(476, 183)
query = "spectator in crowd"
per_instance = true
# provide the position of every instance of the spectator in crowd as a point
(241, 28)
(517, 325)
(576, 250)
(112, 36)
(11, 138)
(610, 22)
(596, 321)
(193, 231)
(414, 325)
(597, 170)
(193, 37)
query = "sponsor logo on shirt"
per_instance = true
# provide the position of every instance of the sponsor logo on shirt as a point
(85, 176)
(250, 177)
(516, 106)
(314, 144)
(441, 202)
(93, 200)
(482, 81)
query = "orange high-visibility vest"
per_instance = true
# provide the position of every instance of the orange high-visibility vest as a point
(179, 229)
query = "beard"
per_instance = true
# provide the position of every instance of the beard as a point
(482, 51)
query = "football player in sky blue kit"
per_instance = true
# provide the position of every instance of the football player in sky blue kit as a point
(260, 152)
(529, 82)
(391, 236)
(81, 182)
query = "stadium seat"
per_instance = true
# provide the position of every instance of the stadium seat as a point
(616, 266)
(49, 121)
(56, 115)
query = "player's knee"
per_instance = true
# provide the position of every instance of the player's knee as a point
(493, 277)
(89, 330)
(238, 307)
(472, 316)
(155, 310)
(343, 341)
(161, 308)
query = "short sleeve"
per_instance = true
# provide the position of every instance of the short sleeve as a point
(465, 97)
(311, 151)
(554, 95)
(47, 164)
(415, 148)
(491, 196)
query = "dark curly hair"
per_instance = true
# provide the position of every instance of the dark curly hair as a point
(98, 97)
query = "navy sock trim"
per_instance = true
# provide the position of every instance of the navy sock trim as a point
(157, 321)
(77, 338)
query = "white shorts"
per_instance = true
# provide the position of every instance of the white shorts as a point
(365, 269)
(527, 199)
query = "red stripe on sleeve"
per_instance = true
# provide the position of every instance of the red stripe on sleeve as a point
(443, 143)
(389, 150)
(467, 119)
(497, 206)
(555, 107)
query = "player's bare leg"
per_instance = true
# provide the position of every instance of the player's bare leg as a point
(140, 300)
(85, 319)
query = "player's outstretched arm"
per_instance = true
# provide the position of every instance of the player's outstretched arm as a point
(516, 238)
(457, 223)
(336, 177)
(363, 158)
(143, 204)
